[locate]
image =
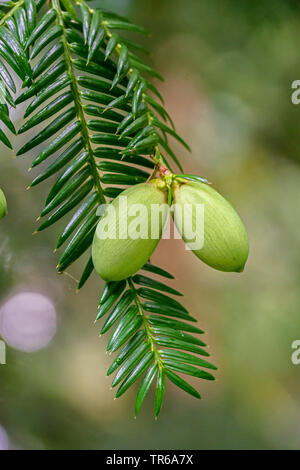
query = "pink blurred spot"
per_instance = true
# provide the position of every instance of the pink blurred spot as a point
(28, 321)
(4, 442)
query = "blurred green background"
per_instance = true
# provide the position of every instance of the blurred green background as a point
(228, 69)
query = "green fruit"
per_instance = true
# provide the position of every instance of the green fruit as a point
(225, 242)
(3, 205)
(124, 240)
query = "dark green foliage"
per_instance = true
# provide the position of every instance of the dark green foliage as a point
(154, 346)
(107, 124)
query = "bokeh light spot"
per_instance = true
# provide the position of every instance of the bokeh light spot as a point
(4, 442)
(28, 321)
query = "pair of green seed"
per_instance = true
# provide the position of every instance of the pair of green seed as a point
(225, 244)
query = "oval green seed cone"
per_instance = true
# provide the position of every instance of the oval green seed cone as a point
(3, 205)
(129, 231)
(210, 226)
